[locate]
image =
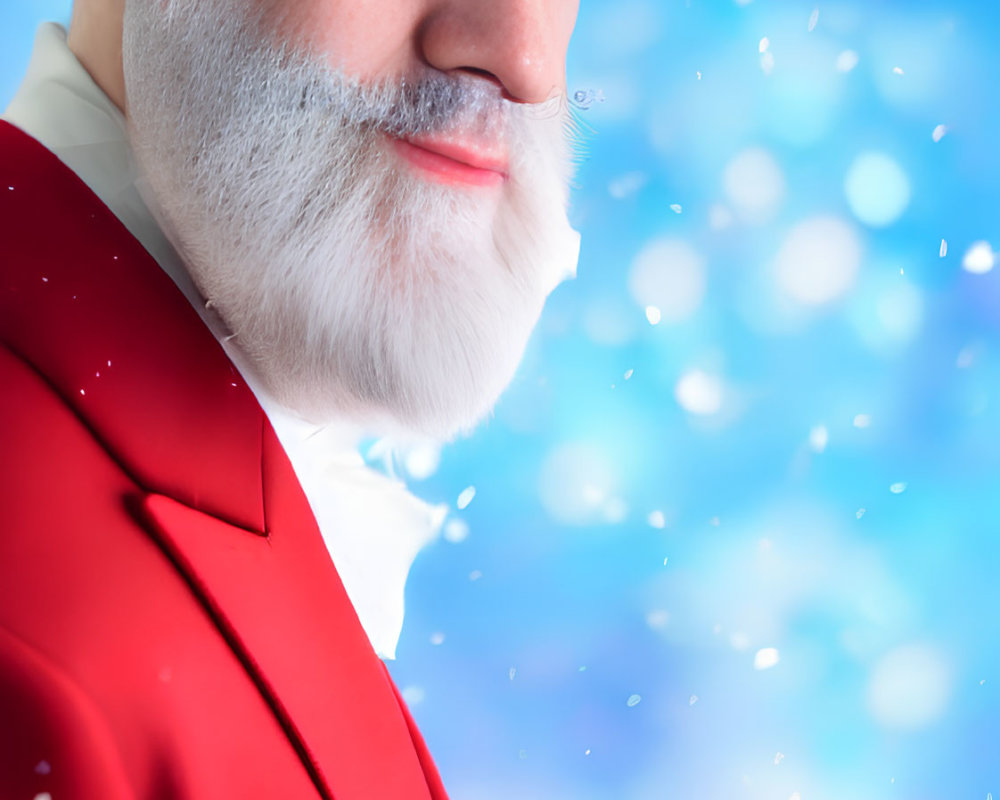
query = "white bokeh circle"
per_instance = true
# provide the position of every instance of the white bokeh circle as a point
(669, 275)
(818, 261)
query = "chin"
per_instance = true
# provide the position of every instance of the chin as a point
(355, 286)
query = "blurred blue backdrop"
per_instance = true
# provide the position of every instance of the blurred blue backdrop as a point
(736, 524)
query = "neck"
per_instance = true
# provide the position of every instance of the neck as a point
(95, 38)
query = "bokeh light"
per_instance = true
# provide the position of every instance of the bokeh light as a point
(877, 189)
(754, 184)
(669, 275)
(909, 687)
(818, 261)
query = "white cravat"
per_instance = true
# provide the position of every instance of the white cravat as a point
(372, 526)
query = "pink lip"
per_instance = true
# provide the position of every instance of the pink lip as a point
(454, 161)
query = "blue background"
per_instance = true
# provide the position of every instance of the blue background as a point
(763, 565)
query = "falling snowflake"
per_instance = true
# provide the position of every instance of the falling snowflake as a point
(979, 258)
(847, 61)
(765, 658)
(456, 530)
(465, 497)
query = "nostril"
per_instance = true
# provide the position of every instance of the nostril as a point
(492, 78)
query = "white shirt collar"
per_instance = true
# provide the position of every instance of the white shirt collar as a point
(372, 526)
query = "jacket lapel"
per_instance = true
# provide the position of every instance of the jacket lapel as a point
(93, 312)
(279, 602)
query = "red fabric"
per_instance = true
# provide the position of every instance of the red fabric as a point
(171, 624)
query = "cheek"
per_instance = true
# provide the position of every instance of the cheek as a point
(366, 39)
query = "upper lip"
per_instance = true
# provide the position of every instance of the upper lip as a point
(477, 154)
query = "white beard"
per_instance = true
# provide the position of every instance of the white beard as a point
(355, 287)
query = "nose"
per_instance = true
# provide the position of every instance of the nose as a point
(519, 44)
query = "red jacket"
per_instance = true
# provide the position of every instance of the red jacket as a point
(171, 624)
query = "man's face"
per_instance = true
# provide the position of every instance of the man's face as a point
(371, 194)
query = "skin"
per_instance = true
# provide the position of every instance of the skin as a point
(520, 45)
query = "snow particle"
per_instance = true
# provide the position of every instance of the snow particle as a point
(437, 638)
(898, 487)
(943, 251)
(938, 133)
(847, 61)
(766, 658)
(978, 258)
(658, 619)
(413, 695)
(699, 393)
(818, 438)
(466, 497)
(456, 530)
(633, 700)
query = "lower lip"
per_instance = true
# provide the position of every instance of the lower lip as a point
(446, 170)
